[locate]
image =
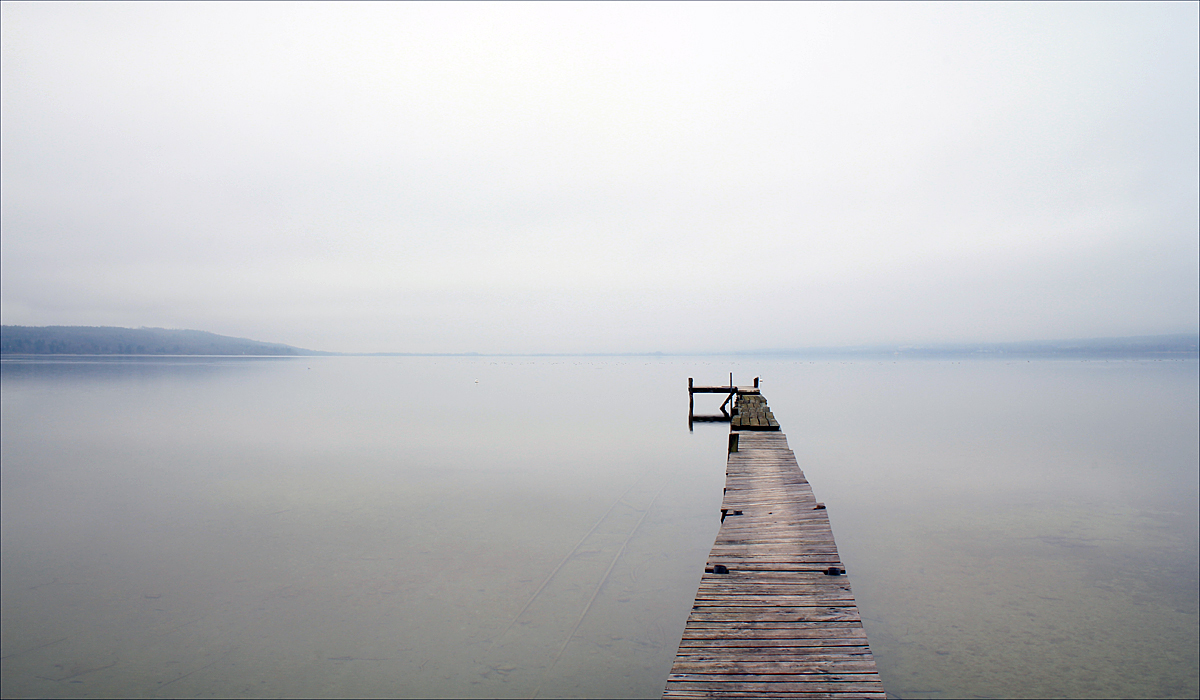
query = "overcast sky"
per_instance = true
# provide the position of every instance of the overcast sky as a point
(602, 177)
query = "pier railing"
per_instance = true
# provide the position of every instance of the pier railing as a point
(731, 390)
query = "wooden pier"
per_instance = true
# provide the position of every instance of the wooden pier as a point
(732, 391)
(774, 614)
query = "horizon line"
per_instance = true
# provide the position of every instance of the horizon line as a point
(1184, 343)
(1095, 343)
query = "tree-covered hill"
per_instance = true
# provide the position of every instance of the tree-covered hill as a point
(109, 340)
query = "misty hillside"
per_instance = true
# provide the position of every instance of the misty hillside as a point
(1163, 346)
(109, 340)
(1145, 345)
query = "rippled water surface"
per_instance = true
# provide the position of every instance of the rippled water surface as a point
(481, 527)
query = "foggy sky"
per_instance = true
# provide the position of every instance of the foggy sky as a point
(602, 177)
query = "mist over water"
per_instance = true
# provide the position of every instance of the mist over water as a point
(486, 527)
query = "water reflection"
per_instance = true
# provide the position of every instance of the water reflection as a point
(388, 526)
(348, 526)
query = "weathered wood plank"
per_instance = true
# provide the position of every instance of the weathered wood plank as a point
(753, 691)
(787, 655)
(807, 581)
(701, 635)
(772, 643)
(847, 614)
(779, 694)
(815, 678)
(758, 667)
(810, 682)
(670, 693)
(753, 627)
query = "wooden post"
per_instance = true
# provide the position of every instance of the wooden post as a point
(689, 385)
(733, 442)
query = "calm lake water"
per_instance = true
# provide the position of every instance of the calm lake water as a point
(505, 527)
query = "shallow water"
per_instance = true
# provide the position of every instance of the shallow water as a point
(390, 526)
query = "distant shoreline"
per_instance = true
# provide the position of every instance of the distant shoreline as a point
(110, 341)
(115, 341)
